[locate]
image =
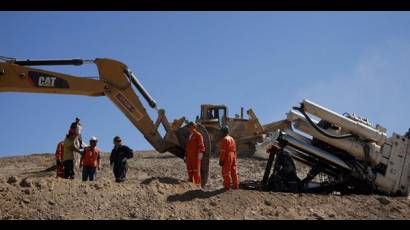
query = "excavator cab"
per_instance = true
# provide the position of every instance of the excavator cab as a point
(214, 114)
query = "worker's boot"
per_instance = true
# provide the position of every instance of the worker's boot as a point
(119, 180)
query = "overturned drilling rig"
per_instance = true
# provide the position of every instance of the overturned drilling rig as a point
(353, 155)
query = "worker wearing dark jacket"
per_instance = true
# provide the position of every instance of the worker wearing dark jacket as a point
(118, 158)
(284, 177)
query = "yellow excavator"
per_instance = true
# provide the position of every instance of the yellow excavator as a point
(117, 82)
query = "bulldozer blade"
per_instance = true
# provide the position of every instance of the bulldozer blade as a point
(206, 156)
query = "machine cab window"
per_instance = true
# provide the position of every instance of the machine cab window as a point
(215, 113)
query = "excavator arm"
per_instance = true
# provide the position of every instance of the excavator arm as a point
(115, 81)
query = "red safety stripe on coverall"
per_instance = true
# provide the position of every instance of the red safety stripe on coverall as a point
(59, 156)
(194, 146)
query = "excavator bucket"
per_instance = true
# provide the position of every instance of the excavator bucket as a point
(205, 158)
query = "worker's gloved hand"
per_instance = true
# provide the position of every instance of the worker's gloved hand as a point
(200, 155)
(221, 163)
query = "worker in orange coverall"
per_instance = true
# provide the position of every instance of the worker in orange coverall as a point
(227, 159)
(194, 151)
(59, 159)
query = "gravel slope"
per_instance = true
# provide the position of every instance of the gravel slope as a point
(156, 189)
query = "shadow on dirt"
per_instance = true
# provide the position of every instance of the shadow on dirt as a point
(164, 180)
(42, 173)
(160, 157)
(190, 195)
(258, 158)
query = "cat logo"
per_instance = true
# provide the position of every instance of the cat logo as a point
(46, 81)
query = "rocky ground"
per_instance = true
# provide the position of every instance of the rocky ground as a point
(156, 189)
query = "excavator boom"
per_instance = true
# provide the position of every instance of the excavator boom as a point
(115, 81)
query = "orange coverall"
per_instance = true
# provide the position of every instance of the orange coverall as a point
(91, 157)
(59, 157)
(194, 146)
(227, 148)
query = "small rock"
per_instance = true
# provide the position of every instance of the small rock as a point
(41, 184)
(383, 200)
(319, 217)
(12, 180)
(276, 213)
(395, 209)
(268, 203)
(213, 203)
(161, 192)
(27, 191)
(133, 215)
(392, 216)
(25, 200)
(332, 215)
(98, 186)
(26, 183)
(51, 202)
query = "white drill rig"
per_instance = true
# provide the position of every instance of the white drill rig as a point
(355, 155)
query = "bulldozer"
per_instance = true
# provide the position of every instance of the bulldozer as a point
(247, 132)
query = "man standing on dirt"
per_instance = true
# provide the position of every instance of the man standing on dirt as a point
(118, 158)
(284, 177)
(77, 128)
(227, 159)
(194, 151)
(90, 160)
(70, 146)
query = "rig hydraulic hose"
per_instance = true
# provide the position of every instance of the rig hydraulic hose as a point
(319, 129)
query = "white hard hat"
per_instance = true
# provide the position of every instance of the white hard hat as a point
(93, 138)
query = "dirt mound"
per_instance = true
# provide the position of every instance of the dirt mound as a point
(155, 189)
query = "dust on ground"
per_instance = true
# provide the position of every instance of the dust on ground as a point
(156, 189)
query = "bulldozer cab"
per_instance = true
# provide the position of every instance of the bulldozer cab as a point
(214, 114)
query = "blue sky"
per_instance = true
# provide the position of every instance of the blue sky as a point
(269, 61)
